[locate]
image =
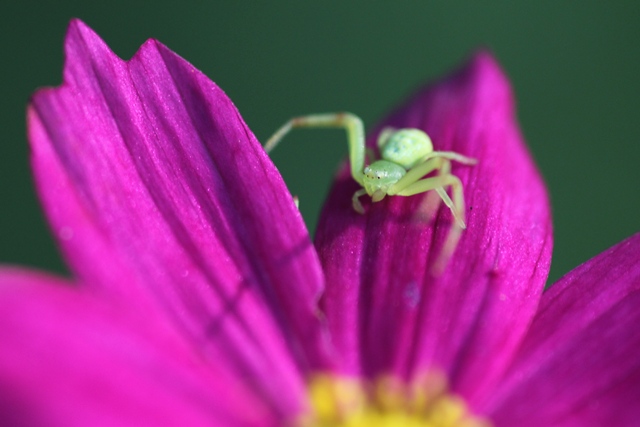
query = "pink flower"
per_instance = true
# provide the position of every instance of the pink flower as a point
(197, 297)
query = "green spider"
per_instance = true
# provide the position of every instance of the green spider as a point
(407, 156)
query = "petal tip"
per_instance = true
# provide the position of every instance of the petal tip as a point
(484, 61)
(77, 31)
(77, 24)
(483, 72)
(81, 44)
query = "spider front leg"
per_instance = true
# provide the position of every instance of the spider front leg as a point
(414, 183)
(350, 122)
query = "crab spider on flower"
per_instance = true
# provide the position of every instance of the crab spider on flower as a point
(407, 156)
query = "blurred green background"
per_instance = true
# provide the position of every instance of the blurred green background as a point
(574, 67)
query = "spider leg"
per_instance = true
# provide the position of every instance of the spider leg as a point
(452, 155)
(436, 183)
(416, 173)
(440, 160)
(370, 155)
(350, 122)
(445, 170)
(413, 183)
(457, 209)
(384, 135)
(357, 206)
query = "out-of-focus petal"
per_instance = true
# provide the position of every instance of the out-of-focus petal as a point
(385, 310)
(157, 191)
(580, 362)
(69, 359)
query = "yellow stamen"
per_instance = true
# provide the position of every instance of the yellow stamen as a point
(386, 402)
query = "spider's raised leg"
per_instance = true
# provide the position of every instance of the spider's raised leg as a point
(350, 122)
(384, 136)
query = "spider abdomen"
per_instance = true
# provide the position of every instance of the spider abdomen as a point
(406, 147)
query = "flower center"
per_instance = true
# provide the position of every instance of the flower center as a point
(386, 402)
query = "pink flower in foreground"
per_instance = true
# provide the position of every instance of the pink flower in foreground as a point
(198, 298)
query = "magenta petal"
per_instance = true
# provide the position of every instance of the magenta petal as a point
(69, 359)
(580, 362)
(383, 307)
(157, 191)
